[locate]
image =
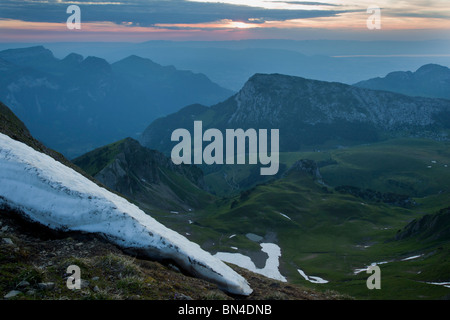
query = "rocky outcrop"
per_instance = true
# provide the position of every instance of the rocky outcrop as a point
(430, 227)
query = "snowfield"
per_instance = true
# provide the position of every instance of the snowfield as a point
(46, 191)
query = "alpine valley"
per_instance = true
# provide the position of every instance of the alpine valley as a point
(360, 169)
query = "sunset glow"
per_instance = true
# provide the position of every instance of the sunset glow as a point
(210, 19)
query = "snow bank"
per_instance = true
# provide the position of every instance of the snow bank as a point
(55, 195)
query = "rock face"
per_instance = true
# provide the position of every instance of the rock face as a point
(276, 98)
(312, 113)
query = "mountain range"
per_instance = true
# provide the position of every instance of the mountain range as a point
(232, 63)
(75, 104)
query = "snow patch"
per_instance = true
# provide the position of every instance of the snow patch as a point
(270, 270)
(445, 284)
(311, 279)
(285, 216)
(356, 271)
(48, 192)
(413, 257)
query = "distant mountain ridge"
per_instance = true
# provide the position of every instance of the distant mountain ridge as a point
(311, 113)
(431, 80)
(76, 104)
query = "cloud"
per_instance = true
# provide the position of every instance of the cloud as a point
(147, 13)
(213, 19)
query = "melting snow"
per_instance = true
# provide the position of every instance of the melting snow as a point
(356, 271)
(285, 216)
(413, 257)
(53, 194)
(270, 270)
(311, 278)
(445, 284)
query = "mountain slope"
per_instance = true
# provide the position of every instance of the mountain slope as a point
(76, 104)
(310, 114)
(430, 80)
(146, 176)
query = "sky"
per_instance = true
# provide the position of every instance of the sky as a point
(142, 20)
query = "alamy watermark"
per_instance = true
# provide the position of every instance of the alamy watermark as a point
(374, 20)
(74, 281)
(213, 153)
(374, 281)
(74, 20)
